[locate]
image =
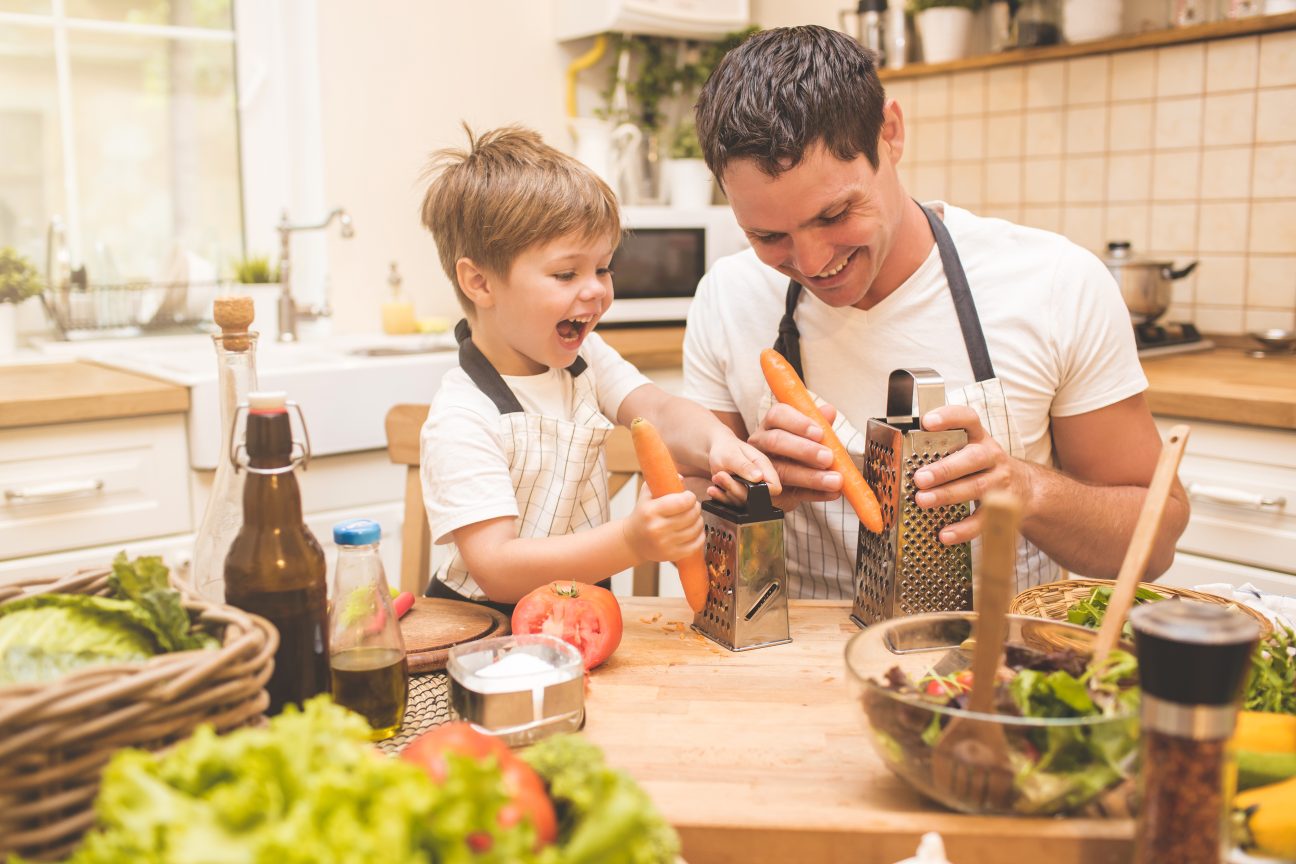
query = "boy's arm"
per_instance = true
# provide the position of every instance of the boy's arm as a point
(699, 442)
(506, 567)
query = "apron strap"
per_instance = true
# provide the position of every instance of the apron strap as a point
(969, 321)
(788, 342)
(483, 374)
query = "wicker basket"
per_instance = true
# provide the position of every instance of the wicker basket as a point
(1054, 599)
(57, 736)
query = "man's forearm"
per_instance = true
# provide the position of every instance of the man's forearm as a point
(1087, 528)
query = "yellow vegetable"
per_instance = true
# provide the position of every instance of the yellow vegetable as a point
(1267, 818)
(1263, 732)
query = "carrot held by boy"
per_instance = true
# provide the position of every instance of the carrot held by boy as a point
(661, 478)
(788, 389)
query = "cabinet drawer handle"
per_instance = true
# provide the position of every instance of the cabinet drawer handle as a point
(1235, 497)
(52, 491)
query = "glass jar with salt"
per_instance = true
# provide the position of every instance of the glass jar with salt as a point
(518, 688)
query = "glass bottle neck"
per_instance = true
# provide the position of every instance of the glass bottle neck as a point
(274, 497)
(237, 378)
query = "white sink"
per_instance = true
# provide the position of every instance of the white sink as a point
(344, 384)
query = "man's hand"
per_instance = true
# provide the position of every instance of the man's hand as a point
(970, 473)
(794, 445)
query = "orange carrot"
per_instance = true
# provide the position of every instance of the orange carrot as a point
(663, 478)
(789, 390)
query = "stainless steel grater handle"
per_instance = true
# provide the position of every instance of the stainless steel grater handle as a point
(905, 386)
(758, 507)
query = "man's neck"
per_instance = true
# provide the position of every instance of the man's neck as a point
(913, 243)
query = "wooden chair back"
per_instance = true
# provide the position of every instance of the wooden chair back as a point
(403, 424)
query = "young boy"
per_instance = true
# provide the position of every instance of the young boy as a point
(512, 451)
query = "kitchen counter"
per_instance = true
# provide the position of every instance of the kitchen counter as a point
(34, 394)
(761, 756)
(1225, 385)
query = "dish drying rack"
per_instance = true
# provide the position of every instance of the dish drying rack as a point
(133, 308)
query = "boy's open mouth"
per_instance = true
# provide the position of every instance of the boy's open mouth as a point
(572, 329)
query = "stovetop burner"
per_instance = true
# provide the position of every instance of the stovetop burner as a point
(1155, 339)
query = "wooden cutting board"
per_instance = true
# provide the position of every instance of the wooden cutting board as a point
(433, 626)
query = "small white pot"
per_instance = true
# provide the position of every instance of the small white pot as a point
(688, 182)
(944, 31)
(8, 328)
(1083, 20)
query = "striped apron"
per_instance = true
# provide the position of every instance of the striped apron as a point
(557, 466)
(822, 537)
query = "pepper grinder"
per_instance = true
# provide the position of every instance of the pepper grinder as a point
(1193, 664)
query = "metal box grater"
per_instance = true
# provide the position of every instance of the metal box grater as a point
(746, 605)
(905, 569)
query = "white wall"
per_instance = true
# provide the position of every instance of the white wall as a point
(397, 77)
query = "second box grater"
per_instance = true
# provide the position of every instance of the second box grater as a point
(905, 569)
(746, 605)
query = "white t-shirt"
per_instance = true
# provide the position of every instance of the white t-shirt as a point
(463, 465)
(1058, 333)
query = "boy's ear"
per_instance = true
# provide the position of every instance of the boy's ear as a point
(474, 283)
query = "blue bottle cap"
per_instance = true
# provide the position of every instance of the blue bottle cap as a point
(357, 532)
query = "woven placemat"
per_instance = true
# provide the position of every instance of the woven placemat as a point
(428, 705)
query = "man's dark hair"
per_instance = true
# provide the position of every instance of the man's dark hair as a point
(782, 90)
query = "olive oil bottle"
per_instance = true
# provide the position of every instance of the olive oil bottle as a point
(275, 566)
(367, 666)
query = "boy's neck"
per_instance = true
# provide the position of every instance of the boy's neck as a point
(495, 348)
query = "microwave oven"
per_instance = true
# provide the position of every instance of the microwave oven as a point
(664, 253)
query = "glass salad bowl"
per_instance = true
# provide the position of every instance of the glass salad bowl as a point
(1068, 745)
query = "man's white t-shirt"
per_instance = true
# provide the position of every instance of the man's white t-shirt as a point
(1058, 333)
(463, 465)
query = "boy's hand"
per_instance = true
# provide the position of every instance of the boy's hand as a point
(731, 455)
(664, 529)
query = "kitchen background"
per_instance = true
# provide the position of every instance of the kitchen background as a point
(1188, 151)
(154, 140)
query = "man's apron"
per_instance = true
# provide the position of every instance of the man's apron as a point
(558, 467)
(822, 537)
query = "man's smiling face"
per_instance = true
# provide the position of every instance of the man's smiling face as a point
(827, 223)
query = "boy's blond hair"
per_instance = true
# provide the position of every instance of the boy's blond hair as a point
(507, 192)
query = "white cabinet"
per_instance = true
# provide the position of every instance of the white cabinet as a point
(75, 494)
(76, 485)
(1241, 482)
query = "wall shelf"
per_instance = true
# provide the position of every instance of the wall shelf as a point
(1132, 42)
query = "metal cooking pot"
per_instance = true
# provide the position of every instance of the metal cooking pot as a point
(1144, 284)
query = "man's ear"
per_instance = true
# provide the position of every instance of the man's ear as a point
(892, 137)
(474, 283)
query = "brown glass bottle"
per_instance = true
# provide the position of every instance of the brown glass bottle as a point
(275, 567)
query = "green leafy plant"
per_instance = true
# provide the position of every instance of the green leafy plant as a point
(667, 70)
(684, 143)
(916, 6)
(255, 271)
(18, 278)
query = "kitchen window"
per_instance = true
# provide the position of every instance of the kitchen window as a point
(120, 119)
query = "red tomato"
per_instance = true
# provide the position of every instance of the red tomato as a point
(527, 796)
(585, 616)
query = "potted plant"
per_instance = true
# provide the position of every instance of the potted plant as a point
(260, 281)
(943, 27)
(18, 281)
(687, 178)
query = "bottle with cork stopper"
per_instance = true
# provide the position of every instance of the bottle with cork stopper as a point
(398, 311)
(236, 369)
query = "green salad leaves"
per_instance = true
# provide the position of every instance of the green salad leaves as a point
(1090, 611)
(1272, 686)
(308, 788)
(48, 635)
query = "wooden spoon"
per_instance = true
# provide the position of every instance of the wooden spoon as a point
(1140, 549)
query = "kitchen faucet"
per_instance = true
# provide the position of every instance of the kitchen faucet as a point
(289, 310)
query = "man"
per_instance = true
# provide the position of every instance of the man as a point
(850, 279)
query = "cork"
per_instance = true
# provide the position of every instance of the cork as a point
(233, 315)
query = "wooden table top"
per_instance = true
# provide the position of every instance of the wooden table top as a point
(1226, 385)
(38, 393)
(761, 756)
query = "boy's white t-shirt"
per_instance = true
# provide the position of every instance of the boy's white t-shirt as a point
(1058, 333)
(464, 470)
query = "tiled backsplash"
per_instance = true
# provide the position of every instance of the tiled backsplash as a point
(1188, 152)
